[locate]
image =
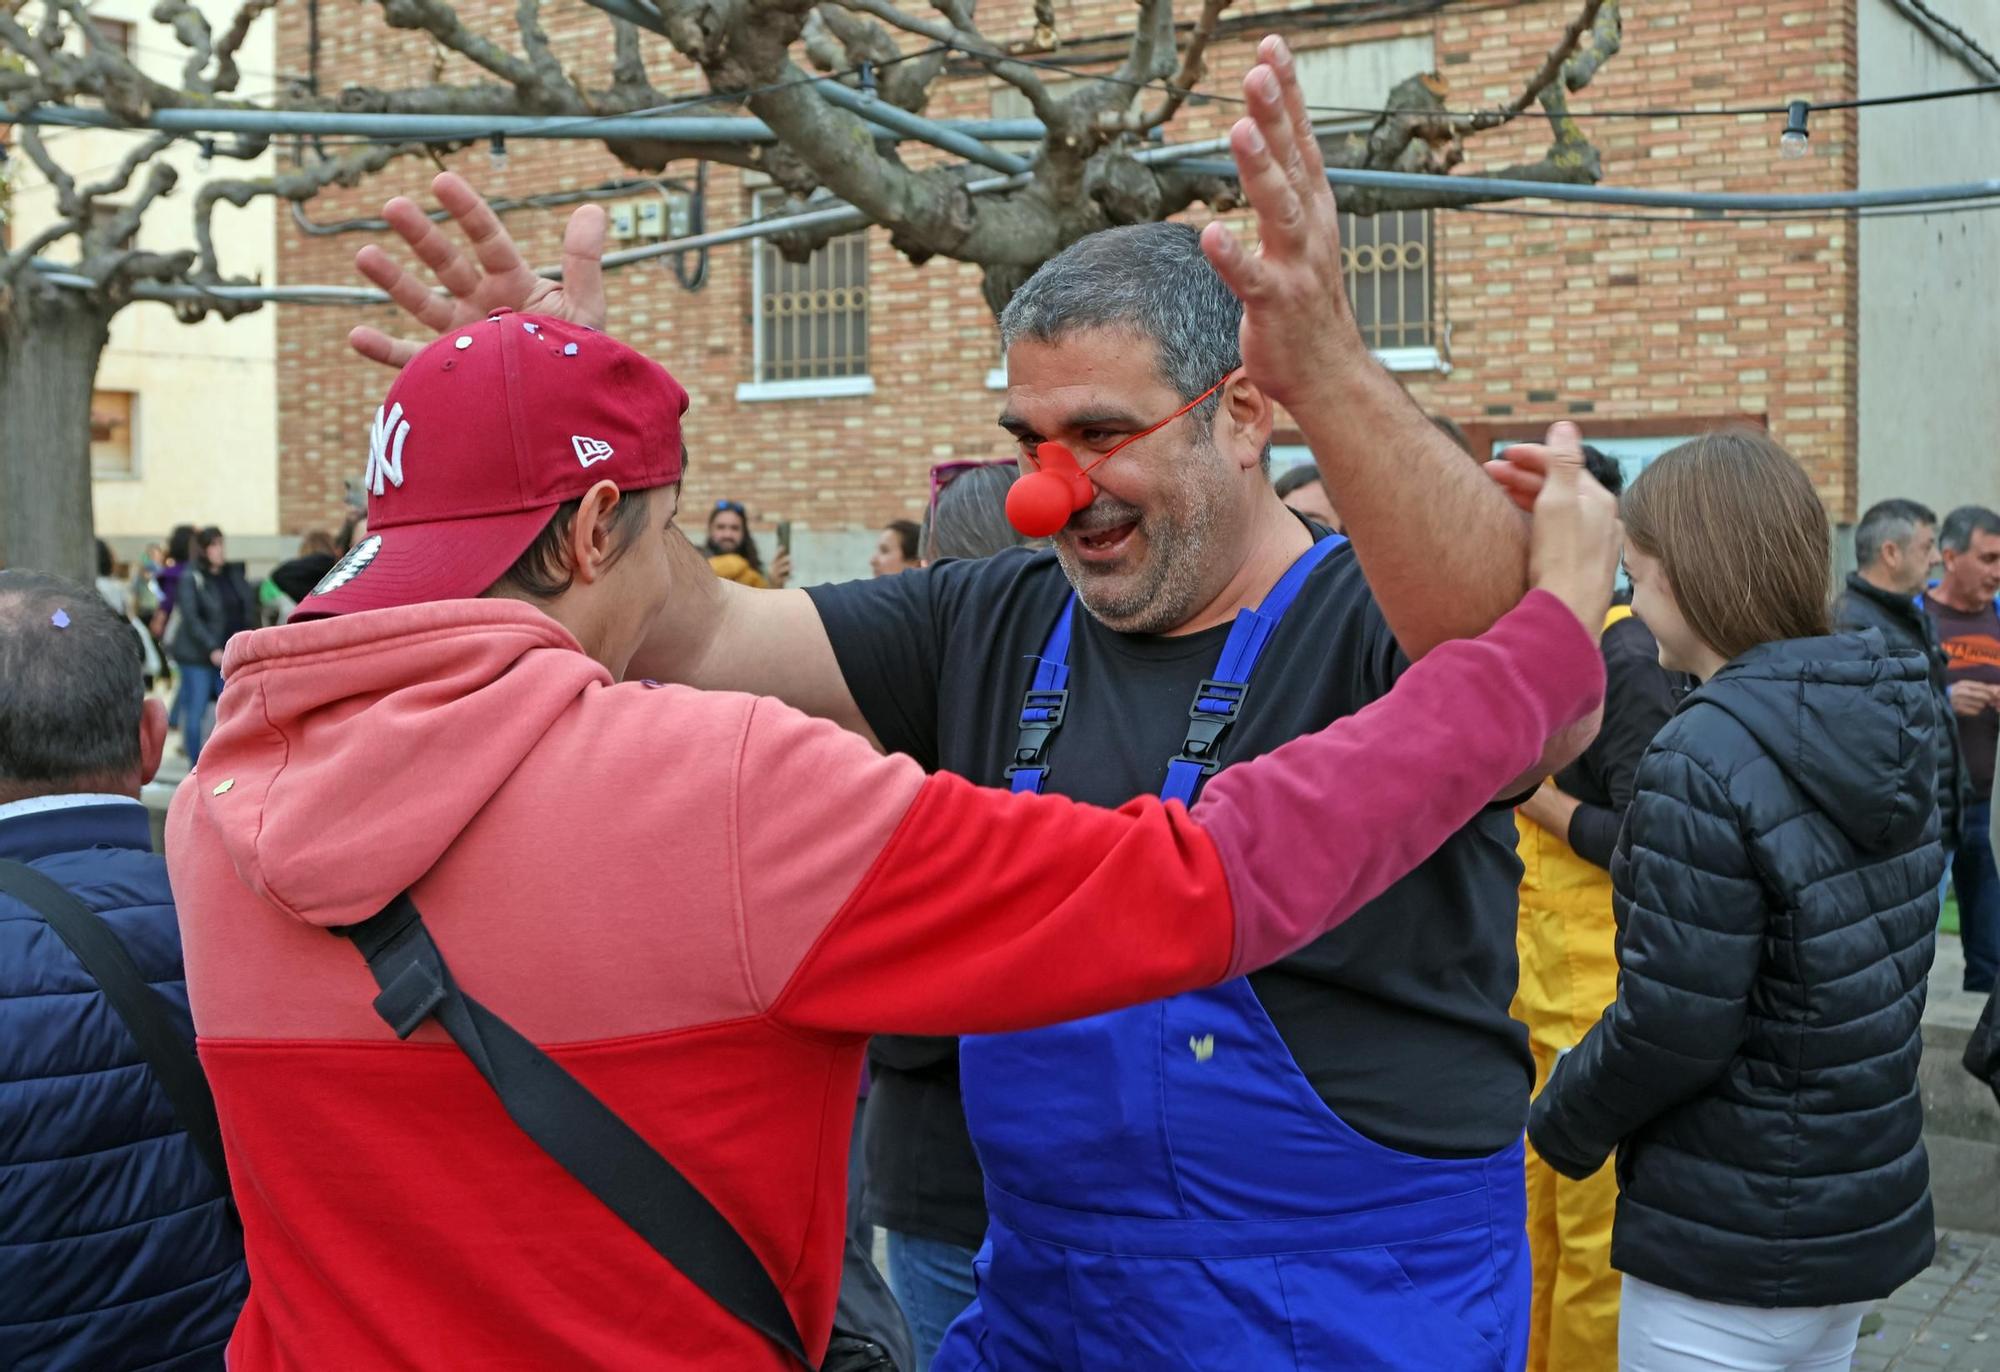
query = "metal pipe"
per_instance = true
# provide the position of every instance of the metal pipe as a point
(885, 115)
(682, 128)
(1506, 189)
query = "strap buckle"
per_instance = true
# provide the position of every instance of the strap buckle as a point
(1041, 715)
(1216, 706)
(406, 964)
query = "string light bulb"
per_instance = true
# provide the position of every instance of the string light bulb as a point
(206, 159)
(496, 152)
(1795, 141)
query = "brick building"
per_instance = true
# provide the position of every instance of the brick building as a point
(823, 394)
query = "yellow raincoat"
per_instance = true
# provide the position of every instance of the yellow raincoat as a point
(1569, 973)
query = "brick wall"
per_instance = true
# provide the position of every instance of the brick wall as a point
(1623, 325)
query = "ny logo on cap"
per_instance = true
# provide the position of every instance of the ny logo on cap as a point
(385, 454)
(588, 450)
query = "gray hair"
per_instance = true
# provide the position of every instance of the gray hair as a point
(970, 518)
(70, 696)
(1886, 522)
(1962, 523)
(1151, 279)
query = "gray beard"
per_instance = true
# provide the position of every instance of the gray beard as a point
(1163, 592)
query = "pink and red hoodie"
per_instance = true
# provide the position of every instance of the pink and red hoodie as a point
(701, 904)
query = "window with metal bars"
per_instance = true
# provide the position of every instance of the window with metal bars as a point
(1387, 258)
(811, 316)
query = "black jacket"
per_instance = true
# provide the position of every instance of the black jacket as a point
(1638, 702)
(921, 1175)
(1776, 894)
(1906, 628)
(212, 606)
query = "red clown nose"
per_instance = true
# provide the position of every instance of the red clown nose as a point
(1041, 502)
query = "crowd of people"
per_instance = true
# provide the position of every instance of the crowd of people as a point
(1255, 917)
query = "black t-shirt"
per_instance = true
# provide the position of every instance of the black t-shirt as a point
(1400, 1017)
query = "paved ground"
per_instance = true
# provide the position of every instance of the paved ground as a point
(1948, 1318)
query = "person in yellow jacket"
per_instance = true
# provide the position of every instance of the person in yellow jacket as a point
(1569, 972)
(732, 549)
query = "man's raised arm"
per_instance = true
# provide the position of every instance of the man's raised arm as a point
(1444, 553)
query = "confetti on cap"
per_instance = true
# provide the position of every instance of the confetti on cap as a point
(569, 350)
(60, 619)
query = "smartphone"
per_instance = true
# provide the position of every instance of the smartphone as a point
(784, 535)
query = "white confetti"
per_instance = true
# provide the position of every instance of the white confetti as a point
(464, 342)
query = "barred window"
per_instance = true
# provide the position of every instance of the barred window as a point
(1387, 259)
(812, 316)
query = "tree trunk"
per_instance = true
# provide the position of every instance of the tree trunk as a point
(50, 342)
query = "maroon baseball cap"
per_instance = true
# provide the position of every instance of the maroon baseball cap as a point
(485, 433)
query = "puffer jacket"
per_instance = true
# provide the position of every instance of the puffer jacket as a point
(1906, 628)
(117, 1251)
(1775, 890)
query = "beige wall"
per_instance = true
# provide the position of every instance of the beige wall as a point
(1929, 405)
(205, 412)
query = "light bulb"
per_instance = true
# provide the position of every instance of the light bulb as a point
(207, 157)
(1795, 142)
(496, 153)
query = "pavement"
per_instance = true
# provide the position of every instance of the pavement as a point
(1948, 1318)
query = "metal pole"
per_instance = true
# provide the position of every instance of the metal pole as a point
(1500, 188)
(683, 128)
(888, 116)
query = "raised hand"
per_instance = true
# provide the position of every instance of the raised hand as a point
(1574, 544)
(501, 278)
(1297, 325)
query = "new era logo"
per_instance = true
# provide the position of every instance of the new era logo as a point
(589, 450)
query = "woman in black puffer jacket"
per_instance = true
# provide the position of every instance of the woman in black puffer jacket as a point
(1776, 896)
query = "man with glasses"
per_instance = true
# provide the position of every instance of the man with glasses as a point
(1318, 1164)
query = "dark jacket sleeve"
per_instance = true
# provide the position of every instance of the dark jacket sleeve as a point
(1638, 702)
(1691, 913)
(202, 629)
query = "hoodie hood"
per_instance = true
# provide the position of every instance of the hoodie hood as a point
(349, 753)
(1852, 725)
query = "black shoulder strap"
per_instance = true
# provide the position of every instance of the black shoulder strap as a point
(146, 1016)
(572, 1125)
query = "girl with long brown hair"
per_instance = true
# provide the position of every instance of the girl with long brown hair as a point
(1774, 885)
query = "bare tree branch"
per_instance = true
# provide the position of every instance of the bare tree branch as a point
(905, 82)
(67, 202)
(1552, 66)
(140, 153)
(628, 67)
(1606, 37)
(441, 21)
(301, 183)
(226, 77)
(116, 234)
(190, 25)
(972, 43)
(1194, 66)
(34, 248)
(535, 42)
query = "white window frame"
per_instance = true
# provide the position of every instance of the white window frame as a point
(758, 390)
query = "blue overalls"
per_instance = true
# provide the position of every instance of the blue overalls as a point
(1166, 1190)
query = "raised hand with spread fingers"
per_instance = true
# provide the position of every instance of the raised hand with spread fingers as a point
(494, 277)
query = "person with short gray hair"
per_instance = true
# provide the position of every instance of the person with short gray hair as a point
(1964, 608)
(968, 512)
(1896, 545)
(120, 1251)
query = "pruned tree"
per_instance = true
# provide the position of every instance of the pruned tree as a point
(795, 64)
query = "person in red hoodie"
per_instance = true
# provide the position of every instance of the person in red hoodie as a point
(699, 904)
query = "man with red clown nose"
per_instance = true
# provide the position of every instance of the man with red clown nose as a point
(1318, 1165)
